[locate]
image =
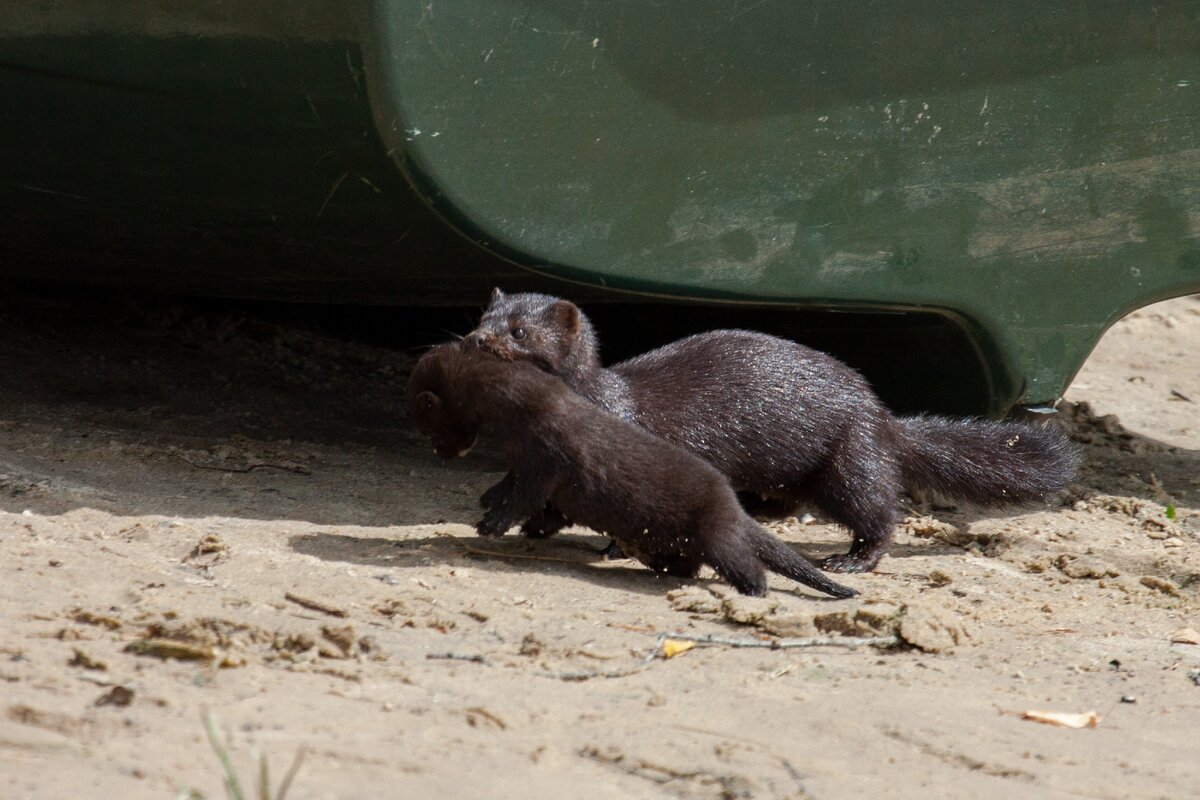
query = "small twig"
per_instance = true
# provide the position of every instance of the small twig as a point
(619, 672)
(797, 777)
(588, 674)
(784, 644)
(489, 716)
(495, 554)
(97, 681)
(642, 768)
(297, 469)
(313, 605)
(477, 659)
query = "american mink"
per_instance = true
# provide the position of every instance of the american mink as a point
(666, 507)
(785, 421)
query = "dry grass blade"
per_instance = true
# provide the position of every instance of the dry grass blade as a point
(264, 778)
(232, 787)
(289, 775)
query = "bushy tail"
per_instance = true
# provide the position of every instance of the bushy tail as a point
(778, 557)
(990, 463)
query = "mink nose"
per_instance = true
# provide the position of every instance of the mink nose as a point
(476, 339)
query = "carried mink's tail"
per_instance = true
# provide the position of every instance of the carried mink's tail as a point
(990, 463)
(778, 557)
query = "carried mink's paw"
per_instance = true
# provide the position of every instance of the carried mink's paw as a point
(495, 497)
(540, 527)
(494, 524)
(613, 552)
(549, 522)
(850, 562)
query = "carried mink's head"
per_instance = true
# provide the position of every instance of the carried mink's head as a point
(551, 332)
(435, 403)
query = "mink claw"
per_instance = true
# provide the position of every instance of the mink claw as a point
(493, 525)
(850, 562)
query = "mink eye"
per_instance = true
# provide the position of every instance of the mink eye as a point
(518, 333)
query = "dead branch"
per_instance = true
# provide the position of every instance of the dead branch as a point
(785, 644)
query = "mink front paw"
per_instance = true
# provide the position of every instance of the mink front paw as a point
(850, 562)
(494, 523)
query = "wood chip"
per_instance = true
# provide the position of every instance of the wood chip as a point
(82, 659)
(1185, 636)
(166, 648)
(477, 714)
(314, 605)
(1058, 719)
(119, 696)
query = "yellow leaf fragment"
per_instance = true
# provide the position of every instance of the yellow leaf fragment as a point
(673, 647)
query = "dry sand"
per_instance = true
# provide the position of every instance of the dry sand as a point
(170, 478)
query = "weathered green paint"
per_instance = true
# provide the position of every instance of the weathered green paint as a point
(1029, 168)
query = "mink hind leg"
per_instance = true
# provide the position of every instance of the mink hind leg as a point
(859, 488)
(766, 506)
(679, 566)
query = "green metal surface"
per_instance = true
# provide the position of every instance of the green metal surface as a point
(1028, 168)
(1029, 171)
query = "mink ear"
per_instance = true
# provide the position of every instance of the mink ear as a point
(566, 315)
(496, 295)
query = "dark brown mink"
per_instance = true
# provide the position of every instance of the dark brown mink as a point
(785, 421)
(669, 509)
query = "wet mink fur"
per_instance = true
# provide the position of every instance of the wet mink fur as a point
(669, 509)
(785, 421)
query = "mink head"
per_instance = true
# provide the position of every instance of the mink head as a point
(551, 332)
(435, 403)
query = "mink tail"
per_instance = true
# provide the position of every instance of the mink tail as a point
(984, 462)
(780, 558)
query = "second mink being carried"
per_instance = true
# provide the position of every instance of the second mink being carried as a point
(785, 421)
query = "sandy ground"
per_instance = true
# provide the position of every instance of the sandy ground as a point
(201, 511)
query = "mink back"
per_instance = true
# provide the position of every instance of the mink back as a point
(755, 406)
